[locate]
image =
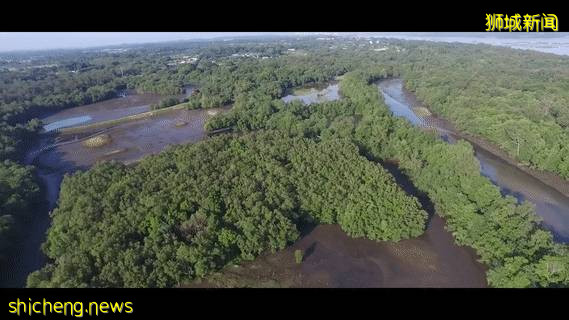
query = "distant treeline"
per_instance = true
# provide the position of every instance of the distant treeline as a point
(73, 79)
(516, 99)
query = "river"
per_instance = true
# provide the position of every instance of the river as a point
(549, 203)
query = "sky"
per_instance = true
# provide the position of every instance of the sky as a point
(16, 41)
(12, 41)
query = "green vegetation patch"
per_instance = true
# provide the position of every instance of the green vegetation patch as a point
(508, 237)
(18, 195)
(196, 208)
(97, 141)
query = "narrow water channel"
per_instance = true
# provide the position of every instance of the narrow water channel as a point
(549, 203)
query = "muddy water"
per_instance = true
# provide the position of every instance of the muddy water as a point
(315, 93)
(106, 110)
(332, 259)
(549, 203)
(57, 154)
(132, 140)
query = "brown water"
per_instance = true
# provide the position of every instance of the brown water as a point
(549, 203)
(431, 260)
(332, 259)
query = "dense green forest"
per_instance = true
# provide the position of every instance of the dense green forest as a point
(18, 195)
(166, 221)
(193, 209)
(517, 100)
(31, 86)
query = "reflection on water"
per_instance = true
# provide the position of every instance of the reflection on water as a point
(332, 259)
(394, 98)
(314, 93)
(123, 106)
(549, 203)
(132, 140)
(69, 122)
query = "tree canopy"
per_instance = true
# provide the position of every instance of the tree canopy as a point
(195, 208)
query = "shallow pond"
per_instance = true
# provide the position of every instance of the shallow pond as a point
(68, 122)
(315, 93)
(106, 110)
(132, 140)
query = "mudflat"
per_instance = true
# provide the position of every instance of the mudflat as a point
(333, 259)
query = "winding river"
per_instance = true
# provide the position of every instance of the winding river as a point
(549, 203)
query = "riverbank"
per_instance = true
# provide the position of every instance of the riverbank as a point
(559, 184)
(512, 179)
(545, 177)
